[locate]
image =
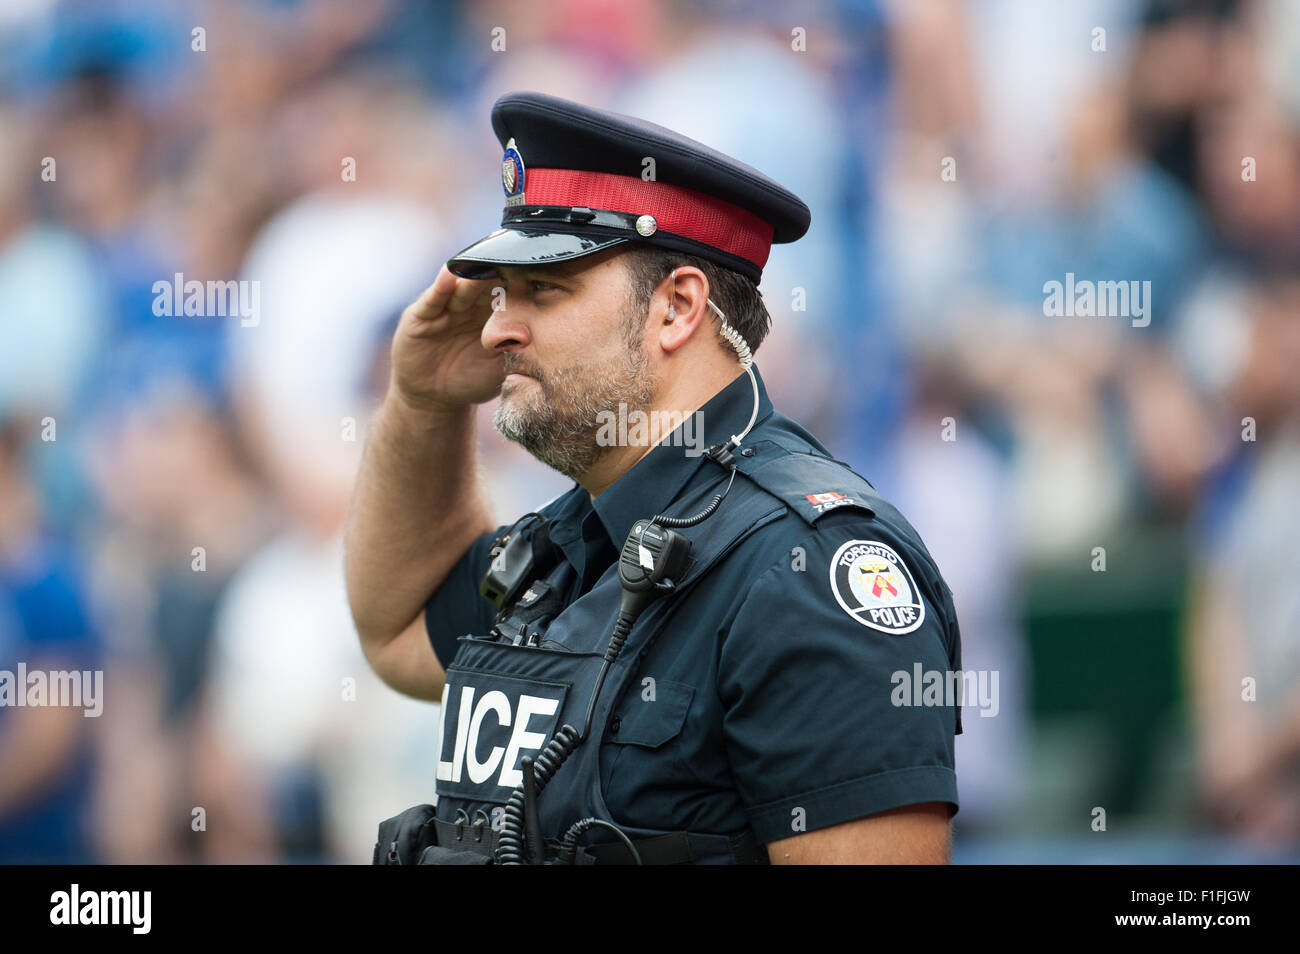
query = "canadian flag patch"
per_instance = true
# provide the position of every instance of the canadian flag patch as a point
(824, 498)
(827, 500)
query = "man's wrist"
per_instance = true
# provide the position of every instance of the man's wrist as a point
(423, 410)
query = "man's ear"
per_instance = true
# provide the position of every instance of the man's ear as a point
(684, 304)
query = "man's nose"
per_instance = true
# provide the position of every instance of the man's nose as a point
(506, 328)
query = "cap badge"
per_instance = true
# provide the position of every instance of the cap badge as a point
(512, 175)
(646, 225)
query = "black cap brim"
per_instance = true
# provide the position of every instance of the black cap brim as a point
(524, 247)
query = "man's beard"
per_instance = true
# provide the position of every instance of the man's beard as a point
(559, 426)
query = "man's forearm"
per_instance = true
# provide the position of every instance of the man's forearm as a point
(417, 507)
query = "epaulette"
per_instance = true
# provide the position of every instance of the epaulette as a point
(809, 484)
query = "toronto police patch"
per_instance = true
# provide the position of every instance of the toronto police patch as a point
(875, 587)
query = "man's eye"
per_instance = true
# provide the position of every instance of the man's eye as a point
(542, 286)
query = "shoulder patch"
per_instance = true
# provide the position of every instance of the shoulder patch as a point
(810, 485)
(875, 587)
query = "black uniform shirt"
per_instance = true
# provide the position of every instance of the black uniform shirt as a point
(808, 677)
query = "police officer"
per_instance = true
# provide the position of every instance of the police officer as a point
(721, 645)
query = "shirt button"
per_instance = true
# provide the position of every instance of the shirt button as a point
(747, 452)
(615, 724)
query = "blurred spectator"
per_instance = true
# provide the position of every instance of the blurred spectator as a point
(46, 754)
(1244, 624)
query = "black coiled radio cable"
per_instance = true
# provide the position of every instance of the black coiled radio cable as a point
(512, 848)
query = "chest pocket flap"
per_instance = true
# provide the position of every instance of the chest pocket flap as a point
(653, 713)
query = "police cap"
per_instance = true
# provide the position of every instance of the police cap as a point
(579, 180)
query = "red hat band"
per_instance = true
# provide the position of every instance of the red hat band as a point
(685, 212)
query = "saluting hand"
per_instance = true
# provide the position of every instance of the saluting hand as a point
(439, 362)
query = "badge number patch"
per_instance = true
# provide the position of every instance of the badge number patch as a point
(874, 586)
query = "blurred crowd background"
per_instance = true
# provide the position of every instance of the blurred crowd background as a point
(172, 489)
